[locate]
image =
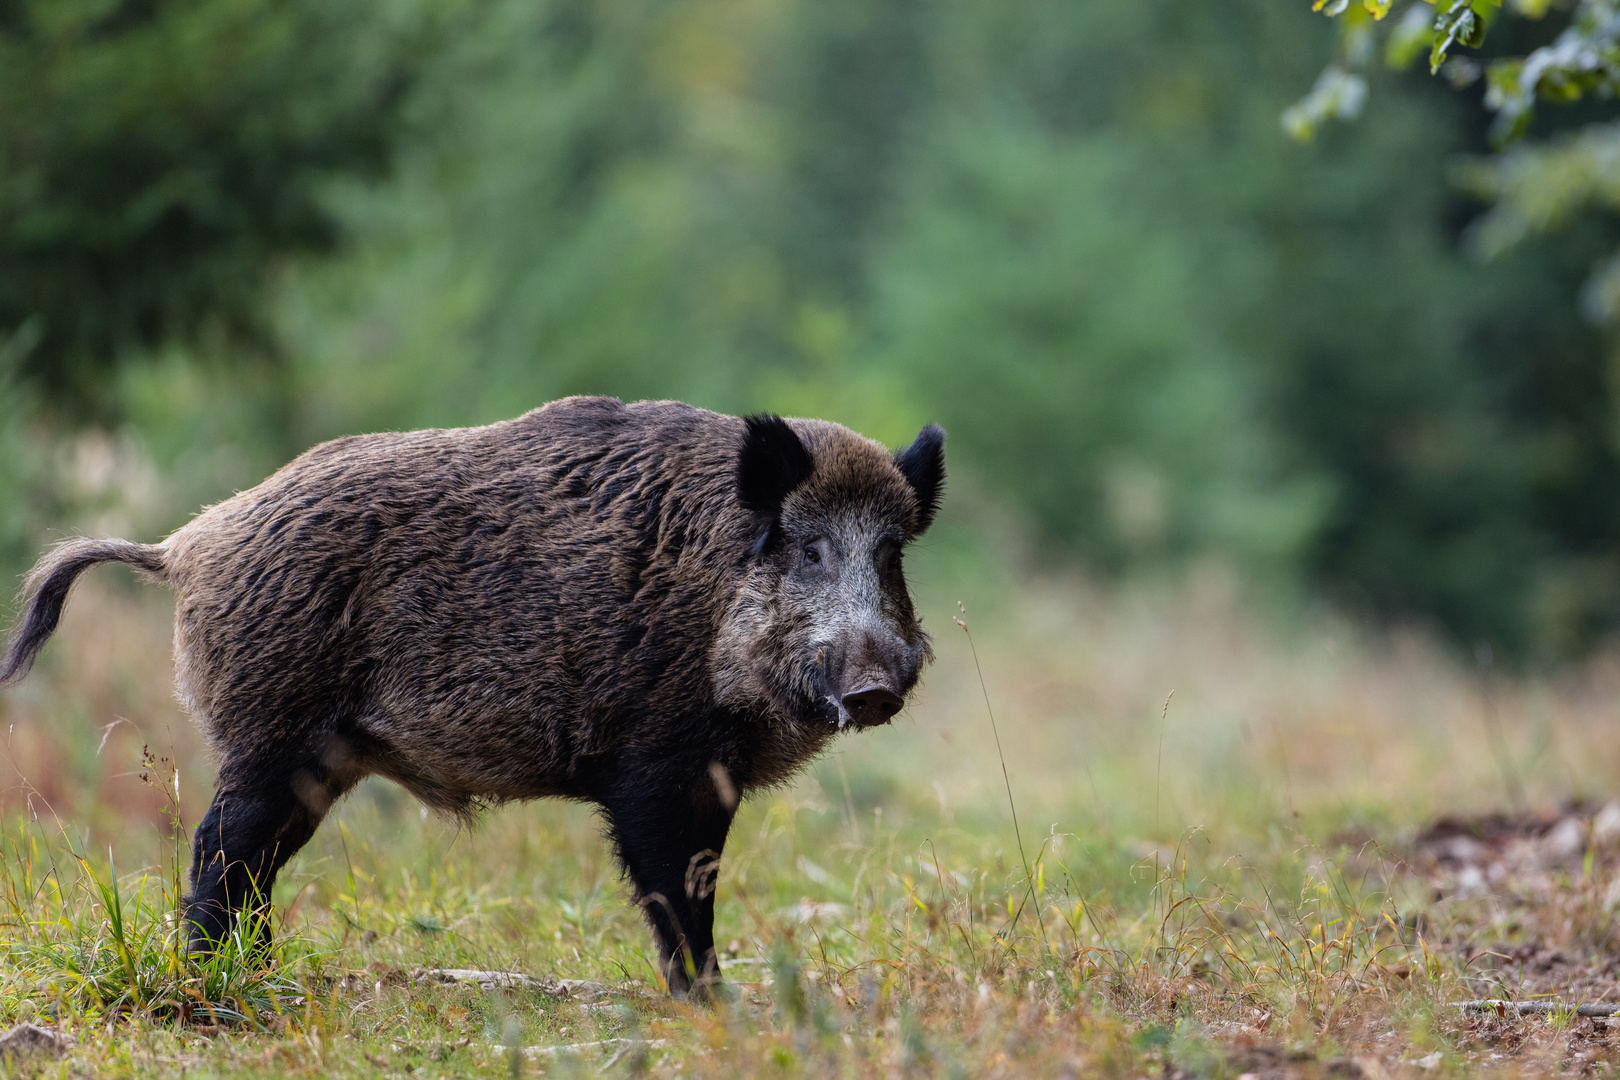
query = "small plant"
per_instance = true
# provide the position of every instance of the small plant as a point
(103, 946)
(115, 949)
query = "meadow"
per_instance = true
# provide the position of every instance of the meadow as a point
(1280, 846)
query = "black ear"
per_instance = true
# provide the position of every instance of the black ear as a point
(923, 465)
(772, 463)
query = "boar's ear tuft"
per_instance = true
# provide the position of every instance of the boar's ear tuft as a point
(772, 463)
(923, 465)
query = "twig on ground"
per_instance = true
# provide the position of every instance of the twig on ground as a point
(1535, 1008)
(582, 989)
(601, 1044)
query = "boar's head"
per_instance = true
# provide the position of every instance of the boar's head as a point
(822, 631)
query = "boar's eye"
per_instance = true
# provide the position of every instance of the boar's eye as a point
(815, 554)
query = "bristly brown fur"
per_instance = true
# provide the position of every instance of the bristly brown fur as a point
(577, 603)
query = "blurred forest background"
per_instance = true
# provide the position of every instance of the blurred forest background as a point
(1161, 334)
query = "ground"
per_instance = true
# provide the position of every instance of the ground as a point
(1296, 864)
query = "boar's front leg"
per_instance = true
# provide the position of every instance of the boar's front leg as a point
(669, 836)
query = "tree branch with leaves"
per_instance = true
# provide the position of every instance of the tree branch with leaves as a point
(1534, 185)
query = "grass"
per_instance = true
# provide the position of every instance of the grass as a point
(1231, 880)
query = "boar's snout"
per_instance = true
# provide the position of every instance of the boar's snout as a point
(868, 681)
(872, 705)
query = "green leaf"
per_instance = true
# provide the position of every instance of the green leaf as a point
(1452, 25)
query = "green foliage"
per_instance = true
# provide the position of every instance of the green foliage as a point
(1537, 187)
(1156, 331)
(1539, 432)
(1541, 188)
(879, 215)
(158, 159)
(1582, 61)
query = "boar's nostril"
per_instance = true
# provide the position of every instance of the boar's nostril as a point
(872, 705)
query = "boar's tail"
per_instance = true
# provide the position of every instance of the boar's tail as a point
(46, 588)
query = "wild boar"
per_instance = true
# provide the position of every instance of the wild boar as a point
(649, 607)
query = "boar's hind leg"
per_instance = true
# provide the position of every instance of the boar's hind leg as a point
(670, 842)
(258, 820)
